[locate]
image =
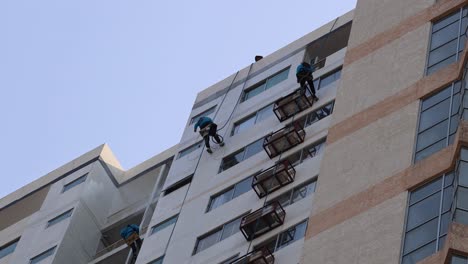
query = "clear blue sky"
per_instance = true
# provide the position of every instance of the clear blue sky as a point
(75, 74)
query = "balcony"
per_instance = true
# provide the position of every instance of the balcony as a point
(262, 221)
(261, 256)
(293, 103)
(273, 178)
(283, 139)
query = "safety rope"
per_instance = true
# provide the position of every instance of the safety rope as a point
(201, 153)
(279, 159)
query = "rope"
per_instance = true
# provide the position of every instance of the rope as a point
(201, 153)
(281, 154)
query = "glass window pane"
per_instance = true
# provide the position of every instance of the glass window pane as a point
(208, 241)
(432, 135)
(421, 236)
(231, 228)
(295, 158)
(74, 183)
(463, 174)
(279, 77)
(264, 113)
(441, 65)
(431, 150)
(434, 115)
(454, 124)
(242, 187)
(303, 191)
(59, 218)
(8, 249)
(448, 196)
(284, 199)
(444, 223)
(244, 124)
(438, 97)
(254, 91)
(329, 79)
(420, 254)
(42, 256)
(443, 36)
(423, 211)
(461, 216)
(446, 21)
(164, 224)
(232, 160)
(448, 179)
(157, 261)
(426, 190)
(221, 199)
(270, 244)
(254, 148)
(462, 198)
(443, 52)
(190, 149)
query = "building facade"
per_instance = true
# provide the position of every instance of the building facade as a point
(375, 171)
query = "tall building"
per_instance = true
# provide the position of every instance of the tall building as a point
(373, 172)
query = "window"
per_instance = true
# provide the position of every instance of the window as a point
(327, 79)
(265, 84)
(456, 259)
(230, 193)
(190, 149)
(241, 155)
(157, 261)
(285, 238)
(298, 193)
(461, 189)
(217, 235)
(438, 121)
(317, 115)
(74, 183)
(42, 256)
(427, 220)
(204, 113)
(178, 185)
(164, 224)
(59, 218)
(308, 152)
(252, 119)
(8, 248)
(447, 40)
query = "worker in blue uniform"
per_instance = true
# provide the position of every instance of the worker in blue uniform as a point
(131, 235)
(303, 75)
(208, 128)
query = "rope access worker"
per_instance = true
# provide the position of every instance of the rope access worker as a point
(304, 74)
(208, 128)
(131, 235)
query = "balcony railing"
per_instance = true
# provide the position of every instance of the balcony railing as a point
(262, 221)
(293, 103)
(273, 178)
(283, 139)
(260, 256)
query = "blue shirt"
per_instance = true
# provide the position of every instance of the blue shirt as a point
(129, 230)
(202, 122)
(302, 68)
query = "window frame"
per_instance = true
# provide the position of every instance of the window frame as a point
(164, 224)
(59, 218)
(219, 238)
(254, 115)
(263, 82)
(276, 237)
(44, 255)
(318, 80)
(158, 260)
(75, 182)
(8, 245)
(192, 148)
(291, 192)
(232, 188)
(242, 150)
